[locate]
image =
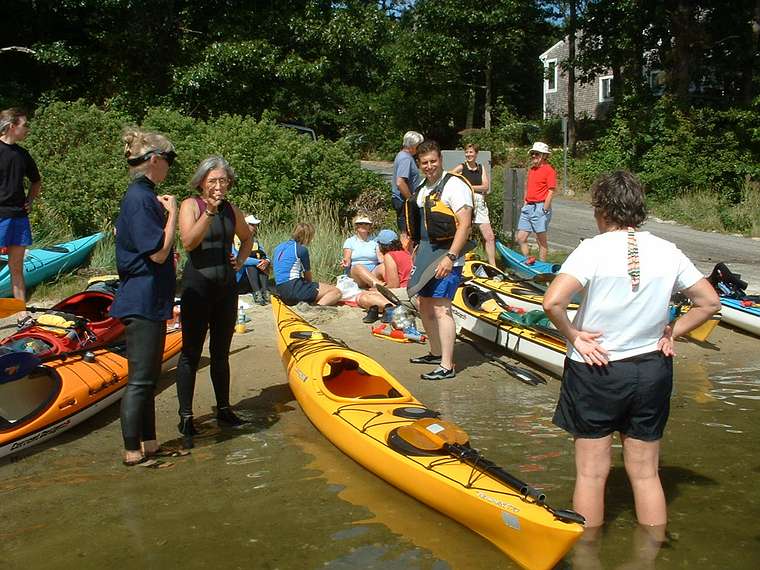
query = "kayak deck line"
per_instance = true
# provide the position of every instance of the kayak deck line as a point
(442, 459)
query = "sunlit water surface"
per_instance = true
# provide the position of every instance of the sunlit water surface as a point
(279, 495)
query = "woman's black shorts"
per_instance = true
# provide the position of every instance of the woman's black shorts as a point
(297, 290)
(631, 396)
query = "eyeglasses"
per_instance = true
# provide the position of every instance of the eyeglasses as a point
(218, 182)
(534, 154)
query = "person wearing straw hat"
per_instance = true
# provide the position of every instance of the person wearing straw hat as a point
(254, 275)
(362, 259)
(536, 212)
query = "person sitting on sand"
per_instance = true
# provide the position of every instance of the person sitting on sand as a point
(398, 266)
(362, 259)
(292, 271)
(254, 275)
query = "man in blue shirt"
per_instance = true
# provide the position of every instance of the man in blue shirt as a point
(405, 178)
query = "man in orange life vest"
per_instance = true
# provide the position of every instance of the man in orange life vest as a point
(537, 209)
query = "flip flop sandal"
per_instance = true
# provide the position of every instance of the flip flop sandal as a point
(149, 463)
(162, 452)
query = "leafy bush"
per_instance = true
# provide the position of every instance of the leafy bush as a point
(80, 154)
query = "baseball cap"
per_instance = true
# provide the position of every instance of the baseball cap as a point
(386, 237)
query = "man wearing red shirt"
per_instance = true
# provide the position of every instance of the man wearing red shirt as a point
(537, 209)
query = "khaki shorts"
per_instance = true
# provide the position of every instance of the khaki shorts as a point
(480, 210)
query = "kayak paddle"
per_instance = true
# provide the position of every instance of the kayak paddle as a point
(433, 434)
(11, 306)
(521, 374)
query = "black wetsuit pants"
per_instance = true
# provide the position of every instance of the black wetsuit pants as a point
(258, 280)
(145, 351)
(206, 306)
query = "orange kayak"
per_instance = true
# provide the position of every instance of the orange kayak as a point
(65, 391)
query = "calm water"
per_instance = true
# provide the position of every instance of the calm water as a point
(280, 496)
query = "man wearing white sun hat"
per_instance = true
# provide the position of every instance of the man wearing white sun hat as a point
(536, 212)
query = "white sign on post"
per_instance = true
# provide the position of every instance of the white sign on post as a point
(453, 157)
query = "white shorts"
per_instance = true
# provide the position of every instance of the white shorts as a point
(480, 210)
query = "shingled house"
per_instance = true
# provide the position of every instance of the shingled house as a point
(591, 99)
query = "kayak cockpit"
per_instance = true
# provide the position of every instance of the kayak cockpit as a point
(344, 378)
(25, 397)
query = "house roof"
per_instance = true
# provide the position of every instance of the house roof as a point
(544, 55)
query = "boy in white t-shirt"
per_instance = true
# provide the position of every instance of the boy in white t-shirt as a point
(619, 370)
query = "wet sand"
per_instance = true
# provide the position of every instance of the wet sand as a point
(276, 494)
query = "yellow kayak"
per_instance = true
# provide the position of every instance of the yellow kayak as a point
(523, 294)
(363, 410)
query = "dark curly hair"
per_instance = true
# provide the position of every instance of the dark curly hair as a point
(619, 198)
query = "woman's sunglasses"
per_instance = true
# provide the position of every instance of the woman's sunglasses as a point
(168, 156)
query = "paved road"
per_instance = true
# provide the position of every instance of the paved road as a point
(574, 220)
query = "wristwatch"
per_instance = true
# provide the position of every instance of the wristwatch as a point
(452, 256)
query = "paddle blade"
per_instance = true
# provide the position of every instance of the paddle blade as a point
(523, 375)
(16, 364)
(10, 307)
(388, 294)
(432, 434)
(544, 277)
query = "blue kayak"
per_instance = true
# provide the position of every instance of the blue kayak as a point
(517, 263)
(48, 262)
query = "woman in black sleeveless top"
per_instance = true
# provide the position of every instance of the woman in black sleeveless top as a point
(478, 179)
(208, 224)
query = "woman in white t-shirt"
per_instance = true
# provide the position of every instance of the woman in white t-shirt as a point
(619, 367)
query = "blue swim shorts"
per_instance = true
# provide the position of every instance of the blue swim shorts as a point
(296, 290)
(443, 288)
(15, 231)
(533, 218)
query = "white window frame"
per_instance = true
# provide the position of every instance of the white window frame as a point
(556, 76)
(602, 79)
(655, 87)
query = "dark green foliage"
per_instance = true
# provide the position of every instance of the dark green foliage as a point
(79, 151)
(676, 151)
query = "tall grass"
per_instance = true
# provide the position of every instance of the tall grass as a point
(325, 250)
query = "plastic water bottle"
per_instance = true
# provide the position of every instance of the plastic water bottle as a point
(240, 326)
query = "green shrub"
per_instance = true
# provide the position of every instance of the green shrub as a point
(80, 154)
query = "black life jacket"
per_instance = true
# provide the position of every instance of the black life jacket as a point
(440, 221)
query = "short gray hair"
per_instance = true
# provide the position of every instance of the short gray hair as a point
(412, 138)
(207, 165)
